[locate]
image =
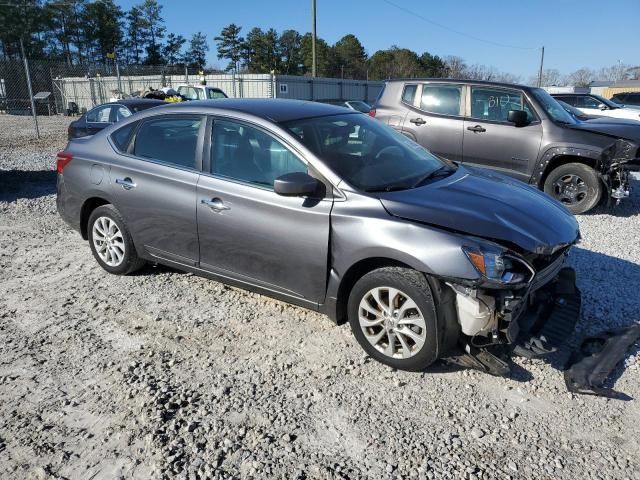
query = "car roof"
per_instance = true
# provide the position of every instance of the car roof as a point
(461, 81)
(274, 109)
(561, 94)
(139, 101)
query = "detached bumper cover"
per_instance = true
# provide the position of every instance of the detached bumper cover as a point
(590, 366)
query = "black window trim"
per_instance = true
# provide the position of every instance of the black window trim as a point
(206, 156)
(199, 144)
(536, 120)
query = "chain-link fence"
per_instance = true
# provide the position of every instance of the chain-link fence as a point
(61, 89)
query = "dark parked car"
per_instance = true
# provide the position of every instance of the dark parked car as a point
(104, 115)
(514, 129)
(330, 210)
(357, 105)
(627, 98)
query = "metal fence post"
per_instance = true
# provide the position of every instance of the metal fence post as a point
(33, 105)
(118, 75)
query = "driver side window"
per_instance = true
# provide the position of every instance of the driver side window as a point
(494, 104)
(249, 155)
(588, 102)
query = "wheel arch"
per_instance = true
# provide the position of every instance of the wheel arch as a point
(557, 156)
(89, 205)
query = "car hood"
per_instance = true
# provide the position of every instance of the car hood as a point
(613, 127)
(488, 205)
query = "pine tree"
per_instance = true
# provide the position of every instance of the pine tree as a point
(196, 56)
(172, 51)
(153, 22)
(230, 46)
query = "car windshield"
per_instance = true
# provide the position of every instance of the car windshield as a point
(368, 154)
(574, 111)
(214, 94)
(552, 108)
(607, 102)
(360, 106)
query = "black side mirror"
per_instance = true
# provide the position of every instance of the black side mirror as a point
(518, 117)
(295, 184)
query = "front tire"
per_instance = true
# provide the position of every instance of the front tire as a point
(392, 315)
(576, 185)
(111, 242)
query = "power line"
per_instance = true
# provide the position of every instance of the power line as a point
(444, 27)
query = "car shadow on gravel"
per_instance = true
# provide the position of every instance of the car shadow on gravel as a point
(16, 184)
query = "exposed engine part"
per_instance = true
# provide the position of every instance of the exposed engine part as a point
(476, 311)
(590, 365)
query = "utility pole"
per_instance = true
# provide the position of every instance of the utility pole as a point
(28, 76)
(313, 39)
(540, 71)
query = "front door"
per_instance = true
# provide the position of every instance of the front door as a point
(155, 186)
(250, 233)
(435, 119)
(491, 141)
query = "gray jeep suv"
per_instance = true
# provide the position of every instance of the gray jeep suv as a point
(514, 129)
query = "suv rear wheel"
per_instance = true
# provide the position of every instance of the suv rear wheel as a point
(392, 315)
(111, 243)
(575, 185)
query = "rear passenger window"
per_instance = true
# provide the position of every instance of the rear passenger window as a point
(442, 99)
(99, 115)
(409, 94)
(122, 136)
(172, 140)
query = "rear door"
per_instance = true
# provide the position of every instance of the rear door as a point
(154, 183)
(246, 230)
(435, 118)
(491, 141)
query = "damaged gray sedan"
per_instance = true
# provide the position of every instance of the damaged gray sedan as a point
(335, 212)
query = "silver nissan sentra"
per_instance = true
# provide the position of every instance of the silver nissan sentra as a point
(332, 211)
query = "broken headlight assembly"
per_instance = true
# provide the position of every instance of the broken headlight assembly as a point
(498, 268)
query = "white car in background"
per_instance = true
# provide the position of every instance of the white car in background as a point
(592, 104)
(200, 92)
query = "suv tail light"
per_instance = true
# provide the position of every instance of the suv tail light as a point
(62, 160)
(372, 112)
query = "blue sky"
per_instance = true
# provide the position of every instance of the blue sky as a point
(575, 33)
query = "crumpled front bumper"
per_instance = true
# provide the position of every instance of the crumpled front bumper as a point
(620, 158)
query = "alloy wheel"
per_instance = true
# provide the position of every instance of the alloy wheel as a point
(570, 189)
(108, 241)
(392, 322)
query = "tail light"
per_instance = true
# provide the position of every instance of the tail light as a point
(372, 112)
(62, 160)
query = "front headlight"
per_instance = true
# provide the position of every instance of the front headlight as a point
(499, 267)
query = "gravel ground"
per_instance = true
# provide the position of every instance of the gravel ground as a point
(168, 375)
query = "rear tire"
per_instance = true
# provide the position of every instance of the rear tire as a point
(392, 315)
(575, 185)
(111, 242)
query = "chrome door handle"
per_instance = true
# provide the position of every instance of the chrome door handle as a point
(418, 121)
(126, 183)
(215, 204)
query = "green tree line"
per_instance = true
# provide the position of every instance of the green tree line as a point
(80, 32)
